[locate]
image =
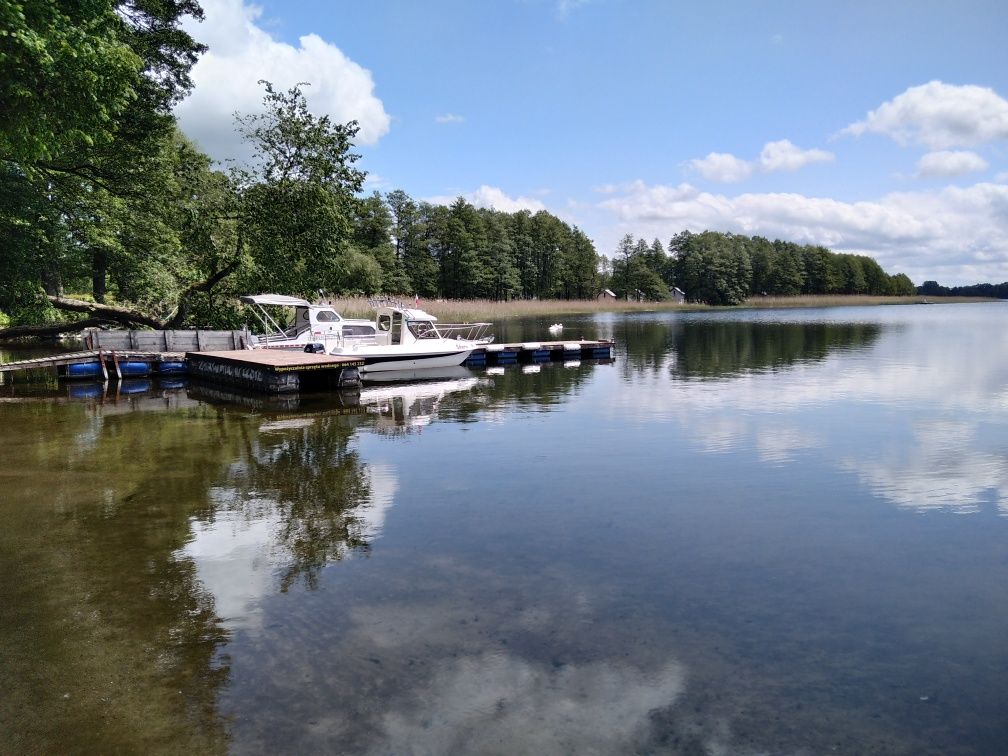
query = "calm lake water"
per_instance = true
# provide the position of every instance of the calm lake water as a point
(778, 532)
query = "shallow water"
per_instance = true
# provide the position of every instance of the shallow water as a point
(762, 532)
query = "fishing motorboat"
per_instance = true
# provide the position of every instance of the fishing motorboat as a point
(312, 323)
(407, 338)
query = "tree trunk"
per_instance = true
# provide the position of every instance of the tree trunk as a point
(99, 269)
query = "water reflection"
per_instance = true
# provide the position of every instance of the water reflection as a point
(102, 626)
(478, 704)
(407, 402)
(947, 466)
(787, 392)
(691, 550)
(717, 348)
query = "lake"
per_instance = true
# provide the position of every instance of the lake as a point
(776, 532)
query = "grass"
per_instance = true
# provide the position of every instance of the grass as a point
(470, 310)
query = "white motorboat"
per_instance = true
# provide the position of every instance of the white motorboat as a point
(407, 338)
(313, 323)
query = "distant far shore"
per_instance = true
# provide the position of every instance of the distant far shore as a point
(468, 310)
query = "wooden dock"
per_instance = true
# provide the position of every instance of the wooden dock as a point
(271, 371)
(102, 364)
(276, 371)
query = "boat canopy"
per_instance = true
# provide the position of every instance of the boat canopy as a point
(275, 299)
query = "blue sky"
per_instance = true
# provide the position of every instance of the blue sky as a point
(872, 127)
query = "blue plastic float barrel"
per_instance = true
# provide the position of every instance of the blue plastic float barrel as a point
(172, 368)
(134, 368)
(84, 370)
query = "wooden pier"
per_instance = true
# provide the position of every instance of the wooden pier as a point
(102, 364)
(270, 371)
(276, 371)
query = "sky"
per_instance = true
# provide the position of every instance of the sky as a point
(878, 128)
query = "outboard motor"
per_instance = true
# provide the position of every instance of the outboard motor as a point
(315, 348)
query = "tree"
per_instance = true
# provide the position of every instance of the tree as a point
(900, 285)
(87, 90)
(299, 195)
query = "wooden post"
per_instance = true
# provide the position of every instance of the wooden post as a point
(199, 341)
(101, 361)
(133, 340)
(115, 361)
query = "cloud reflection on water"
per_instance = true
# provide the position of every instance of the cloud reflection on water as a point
(859, 390)
(500, 703)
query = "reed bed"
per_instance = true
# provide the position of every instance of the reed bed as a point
(473, 310)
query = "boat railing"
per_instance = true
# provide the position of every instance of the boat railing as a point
(465, 331)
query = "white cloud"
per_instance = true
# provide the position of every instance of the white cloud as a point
(959, 235)
(939, 116)
(784, 156)
(449, 118)
(950, 163)
(722, 167)
(241, 53)
(492, 197)
(1002, 177)
(781, 155)
(565, 7)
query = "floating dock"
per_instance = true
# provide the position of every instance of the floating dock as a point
(276, 371)
(270, 371)
(103, 365)
(541, 351)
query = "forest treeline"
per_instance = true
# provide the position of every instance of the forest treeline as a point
(934, 289)
(724, 269)
(109, 214)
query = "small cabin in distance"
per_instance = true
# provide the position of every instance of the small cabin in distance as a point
(606, 295)
(678, 295)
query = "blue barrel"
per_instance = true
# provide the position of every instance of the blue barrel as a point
(134, 368)
(172, 368)
(173, 383)
(84, 370)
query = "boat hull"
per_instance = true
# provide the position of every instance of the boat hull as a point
(382, 362)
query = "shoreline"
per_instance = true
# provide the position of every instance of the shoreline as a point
(467, 310)
(474, 310)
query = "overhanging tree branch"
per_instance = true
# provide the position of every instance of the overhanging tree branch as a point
(50, 329)
(108, 313)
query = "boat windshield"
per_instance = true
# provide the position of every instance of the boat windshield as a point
(422, 329)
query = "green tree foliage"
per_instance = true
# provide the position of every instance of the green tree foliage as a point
(85, 134)
(462, 251)
(724, 269)
(934, 289)
(298, 198)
